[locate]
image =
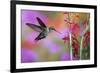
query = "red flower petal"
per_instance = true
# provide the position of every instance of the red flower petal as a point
(75, 45)
(65, 38)
(75, 29)
(86, 39)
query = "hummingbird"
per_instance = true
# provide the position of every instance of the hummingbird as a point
(42, 29)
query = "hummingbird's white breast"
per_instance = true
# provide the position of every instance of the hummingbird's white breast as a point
(48, 30)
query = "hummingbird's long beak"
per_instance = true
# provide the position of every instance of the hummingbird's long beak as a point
(57, 31)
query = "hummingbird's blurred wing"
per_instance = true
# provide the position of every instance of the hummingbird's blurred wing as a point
(40, 36)
(40, 22)
(34, 27)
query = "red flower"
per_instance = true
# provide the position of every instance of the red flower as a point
(66, 38)
(75, 29)
(86, 39)
(75, 45)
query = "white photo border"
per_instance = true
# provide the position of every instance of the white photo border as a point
(58, 63)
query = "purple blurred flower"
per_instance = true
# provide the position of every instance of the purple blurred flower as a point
(65, 56)
(28, 55)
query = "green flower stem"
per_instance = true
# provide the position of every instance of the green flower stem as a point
(82, 41)
(81, 47)
(71, 51)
